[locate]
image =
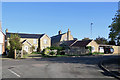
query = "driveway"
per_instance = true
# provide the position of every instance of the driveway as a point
(58, 67)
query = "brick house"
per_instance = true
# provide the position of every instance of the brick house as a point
(61, 37)
(39, 41)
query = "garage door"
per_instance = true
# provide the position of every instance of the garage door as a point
(0, 49)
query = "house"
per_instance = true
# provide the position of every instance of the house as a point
(2, 41)
(81, 47)
(116, 49)
(77, 47)
(39, 41)
(61, 37)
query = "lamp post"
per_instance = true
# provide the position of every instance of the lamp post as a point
(91, 29)
(91, 37)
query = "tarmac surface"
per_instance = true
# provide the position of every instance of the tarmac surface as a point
(56, 67)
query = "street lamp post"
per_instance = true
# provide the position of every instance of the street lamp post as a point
(91, 29)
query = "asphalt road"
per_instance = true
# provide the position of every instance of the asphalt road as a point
(59, 67)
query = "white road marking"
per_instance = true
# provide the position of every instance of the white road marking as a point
(101, 70)
(14, 73)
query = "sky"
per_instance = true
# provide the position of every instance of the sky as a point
(50, 17)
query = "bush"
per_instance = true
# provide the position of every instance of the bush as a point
(59, 49)
(24, 52)
(33, 47)
(97, 53)
(90, 49)
(55, 48)
(52, 53)
(46, 52)
(62, 53)
(35, 52)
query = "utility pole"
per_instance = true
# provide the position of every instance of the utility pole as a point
(91, 37)
(91, 29)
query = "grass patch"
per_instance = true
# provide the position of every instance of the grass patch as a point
(26, 55)
(66, 55)
(96, 53)
(35, 53)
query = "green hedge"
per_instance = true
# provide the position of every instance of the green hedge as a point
(96, 53)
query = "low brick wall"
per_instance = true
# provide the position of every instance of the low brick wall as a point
(116, 49)
(76, 51)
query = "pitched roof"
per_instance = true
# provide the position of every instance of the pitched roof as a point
(81, 43)
(27, 42)
(69, 43)
(56, 38)
(25, 35)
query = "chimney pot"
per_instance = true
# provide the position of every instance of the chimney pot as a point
(6, 30)
(60, 32)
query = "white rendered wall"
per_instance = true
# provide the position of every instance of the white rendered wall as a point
(1, 37)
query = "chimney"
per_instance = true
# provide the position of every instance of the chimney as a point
(68, 34)
(6, 30)
(59, 32)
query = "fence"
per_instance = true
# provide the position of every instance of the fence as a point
(18, 54)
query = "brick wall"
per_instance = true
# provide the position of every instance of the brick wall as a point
(76, 51)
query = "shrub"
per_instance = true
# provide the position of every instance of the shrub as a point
(97, 53)
(62, 53)
(45, 52)
(24, 52)
(90, 49)
(33, 47)
(52, 53)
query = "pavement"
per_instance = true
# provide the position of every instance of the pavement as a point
(56, 67)
(112, 66)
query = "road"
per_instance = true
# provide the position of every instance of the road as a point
(59, 67)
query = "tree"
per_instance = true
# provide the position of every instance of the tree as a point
(14, 44)
(114, 34)
(85, 39)
(112, 43)
(101, 40)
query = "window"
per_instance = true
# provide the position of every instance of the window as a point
(93, 48)
(65, 38)
(26, 48)
(34, 41)
(45, 41)
(35, 48)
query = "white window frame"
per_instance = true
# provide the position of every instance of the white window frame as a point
(34, 41)
(26, 48)
(45, 41)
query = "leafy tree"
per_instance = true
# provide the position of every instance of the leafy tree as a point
(114, 34)
(14, 44)
(112, 43)
(86, 39)
(101, 40)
